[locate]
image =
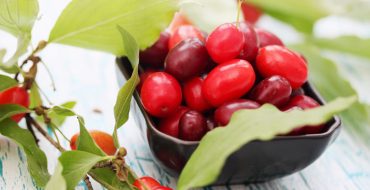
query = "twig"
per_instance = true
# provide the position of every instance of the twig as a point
(29, 127)
(88, 183)
(46, 135)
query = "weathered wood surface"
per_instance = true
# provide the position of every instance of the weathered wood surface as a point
(89, 77)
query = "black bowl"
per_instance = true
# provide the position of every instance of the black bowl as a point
(256, 161)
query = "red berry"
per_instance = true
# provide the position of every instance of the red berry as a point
(146, 183)
(155, 55)
(193, 95)
(225, 43)
(170, 124)
(185, 32)
(228, 81)
(274, 90)
(193, 126)
(223, 113)
(15, 95)
(301, 101)
(143, 77)
(161, 94)
(102, 139)
(251, 13)
(297, 92)
(187, 60)
(267, 38)
(278, 60)
(250, 46)
(162, 188)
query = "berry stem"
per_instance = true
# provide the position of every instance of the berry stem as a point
(238, 14)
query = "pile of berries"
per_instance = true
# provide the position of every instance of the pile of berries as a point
(193, 83)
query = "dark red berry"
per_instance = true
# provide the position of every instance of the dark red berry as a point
(228, 81)
(223, 113)
(185, 32)
(193, 126)
(193, 95)
(302, 101)
(161, 94)
(146, 183)
(250, 47)
(225, 43)
(187, 60)
(15, 95)
(274, 90)
(267, 38)
(278, 60)
(155, 55)
(170, 124)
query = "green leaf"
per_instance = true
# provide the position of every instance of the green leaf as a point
(348, 44)
(108, 179)
(95, 26)
(327, 79)
(18, 16)
(8, 110)
(245, 126)
(301, 14)
(85, 142)
(72, 167)
(36, 159)
(35, 98)
(122, 106)
(60, 117)
(6, 82)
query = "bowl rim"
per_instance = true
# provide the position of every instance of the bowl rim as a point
(335, 121)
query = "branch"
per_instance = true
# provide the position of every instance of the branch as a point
(88, 183)
(29, 127)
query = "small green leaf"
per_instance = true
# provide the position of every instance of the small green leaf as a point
(8, 110)
(122, 106)
(35, 98)
(72, 167)
(85, 142)
(6, 82)
(36, 159)
(245, 126)
(108, 179)
(348, 44)
(95, 26)
(60, 117)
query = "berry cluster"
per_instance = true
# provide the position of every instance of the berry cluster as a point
(193, 82)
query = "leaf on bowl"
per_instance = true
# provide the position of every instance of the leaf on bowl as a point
(95, 26)
(71, 168)
(6, 82)
(122, 106)
(206, 162)
(8, 110)
(36, 159)
(326, 77)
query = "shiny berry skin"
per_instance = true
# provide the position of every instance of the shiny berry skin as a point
(302, 101)
(162, 188)
(185, 32)
(193, 95)
(225, 43)
(155, 55)
(228, 81)
(161, 94)
(187, 60)
(177, 21)
(170, 125)
(193, 126)
(278, 60)
(102, 139)
(250, 46)
(143, 77)
(223, 113)
(267, 38)
(146, 183)
(251, 13)
(15, 95)
(274, 90)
